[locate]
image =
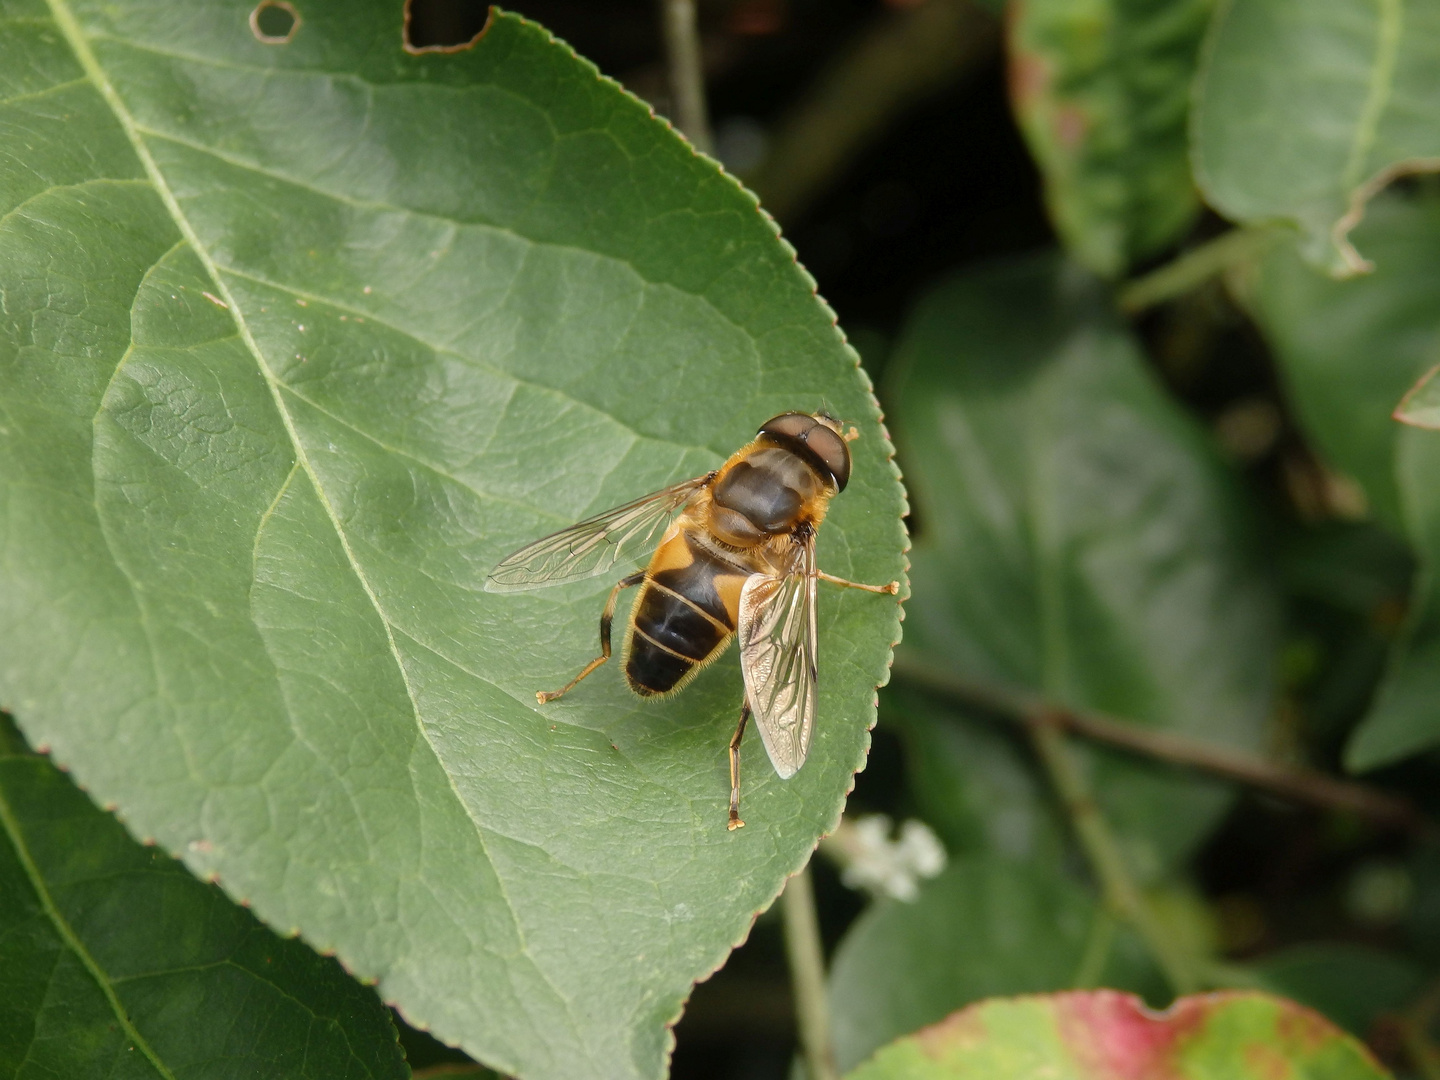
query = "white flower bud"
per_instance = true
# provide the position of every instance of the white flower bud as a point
(869, 859)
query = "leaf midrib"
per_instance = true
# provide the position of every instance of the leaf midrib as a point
(67, 933)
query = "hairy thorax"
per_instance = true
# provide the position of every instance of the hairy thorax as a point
(764, 494)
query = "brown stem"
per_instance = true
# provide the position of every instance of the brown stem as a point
(1291, 782)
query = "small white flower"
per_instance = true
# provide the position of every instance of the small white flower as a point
(870, 859)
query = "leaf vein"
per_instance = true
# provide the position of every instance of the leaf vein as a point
(424, 464)
(426, 215)
(445, 350)
(99, 181)
(1377, 95)
(35, 94)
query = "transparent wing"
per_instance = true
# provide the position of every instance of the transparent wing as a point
(594, 545)
(777, 658)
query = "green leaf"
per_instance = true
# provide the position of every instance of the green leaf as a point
(118, 963)
(1101, 1034)
(1306, 108)
(1420, 406)
(1348, 350)
(1352, 985)
(1078, 535)
(1101, 90)
(297, 342)
(984, 927)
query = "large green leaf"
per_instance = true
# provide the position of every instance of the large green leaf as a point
(984, 927)
(1102, 1034)
(1101, 89)
(1349, 350)
(1078, 536)
(297, 341)
(118, 963)
(1306, 108)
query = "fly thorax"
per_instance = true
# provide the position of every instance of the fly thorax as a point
(762, 496)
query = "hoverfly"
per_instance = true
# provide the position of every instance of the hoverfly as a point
(738, 560)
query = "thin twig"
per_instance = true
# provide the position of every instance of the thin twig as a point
(1195, 267)
(687, 73)
(807, 975)
(895, 61)
(1291, 782)
(1104, 854)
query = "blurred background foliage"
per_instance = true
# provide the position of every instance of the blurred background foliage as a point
(1106, 262)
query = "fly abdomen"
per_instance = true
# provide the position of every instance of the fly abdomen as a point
(681, 618)
(669, 636)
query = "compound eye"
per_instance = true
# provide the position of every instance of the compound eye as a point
(831, 449)
(810, 437)
(792, 425)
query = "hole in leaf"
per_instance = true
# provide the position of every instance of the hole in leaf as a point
(274, 22)
(444, 26)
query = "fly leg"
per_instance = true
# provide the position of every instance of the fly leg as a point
(735, 822)
(606, 618)
(892, 588)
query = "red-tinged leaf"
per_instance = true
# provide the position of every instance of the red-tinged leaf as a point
(1107, 1035)
(1101, 92)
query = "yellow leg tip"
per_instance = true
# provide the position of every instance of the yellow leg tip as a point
(893, 588)
(542, 697)
(735, 823)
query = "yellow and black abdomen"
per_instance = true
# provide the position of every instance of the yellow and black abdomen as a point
(682, 619)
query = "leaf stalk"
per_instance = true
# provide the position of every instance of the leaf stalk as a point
(687, 71)
(1194, 268)
(1103, 852)
(807, 975)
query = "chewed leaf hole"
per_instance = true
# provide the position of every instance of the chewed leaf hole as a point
(274, 22)
(444, 26)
